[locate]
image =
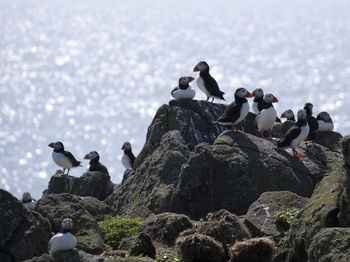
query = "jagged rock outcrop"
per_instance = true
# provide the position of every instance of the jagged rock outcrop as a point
(85, 213)
(94, 184)
(24, 234)
(326, 208)
(187, 167)
(260, 217)
(165, 228)
(142, 246)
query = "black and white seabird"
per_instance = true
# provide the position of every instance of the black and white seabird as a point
(207, 83)
(296, 134)
(258, 100)
(184, 90)
(28, 201)
(312, 121)
(128, 157)
(95, 164)
(267, 117)
(63, 158)
(237, 110)
(63, 241)
(325, 122)
(289, 115)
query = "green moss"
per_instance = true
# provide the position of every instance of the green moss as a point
(167, 255)
(115, 228)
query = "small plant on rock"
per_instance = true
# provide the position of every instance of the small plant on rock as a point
(115, 228)
(284, 218)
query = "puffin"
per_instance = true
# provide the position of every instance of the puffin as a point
(312, 121)
(296, 134)
(184, 90)
(128, 157)
(258, 100)
(95, 164)
(207, 83)
(325, 122)
(289, 115)
(63, 158)
(63, 241)
(28, 201)
(237, 110)
(267, 117)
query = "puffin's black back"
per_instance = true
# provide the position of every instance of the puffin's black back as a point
(211, 85)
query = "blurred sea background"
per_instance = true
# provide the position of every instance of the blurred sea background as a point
(93, 73)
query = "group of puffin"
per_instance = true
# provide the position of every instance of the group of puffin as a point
(66, 160)
(305, 127)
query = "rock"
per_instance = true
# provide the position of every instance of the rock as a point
(151, 185)
(94, 184)
(344, 213)
(192, 118)
(260, 217)
(254, 250)
(165, 228)
(200, 248)
(225, 228)
(233, 172)
(329, 139)
(330, 244)
(142, 246)
(85, 213)
(24, 234)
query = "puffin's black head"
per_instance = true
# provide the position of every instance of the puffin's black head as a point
(92, 155)
(243, 93)
(301, 114)
(270, 98)
(185, 80)
(26, 197)
(67, 225)
(126, 146)
(288, 114)
(325, 117)
(308, 107)
(201, 66)
(57, 146)
(257, 93)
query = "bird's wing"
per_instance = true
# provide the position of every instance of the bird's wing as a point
(71, 158)
(291, 134)
(175, 89)
(230, 115)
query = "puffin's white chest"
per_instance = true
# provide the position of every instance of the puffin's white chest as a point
(30, 205)
(255, 108)
(188, 93)
(126, 161)
(201, 85)
(325, 126)
(62, 242)
(61, 160)
(266, 119)
(302, 136)
(243, 113)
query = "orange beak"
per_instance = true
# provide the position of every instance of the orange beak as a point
(195, 69)
(275, 100)
(283, 116)
(249, 94)
(330, 120)
(86, 157)
(50, 145)
(191, 78)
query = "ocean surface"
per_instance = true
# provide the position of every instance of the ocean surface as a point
(93, 73)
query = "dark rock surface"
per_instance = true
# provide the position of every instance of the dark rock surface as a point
(329, 139)
(142, 246)
(344, 213)
(330, 244)
(165, 228)
(85, 213)
(260, 217)
(236, 169)
(24, 234)
(94, 184)
(200, 248)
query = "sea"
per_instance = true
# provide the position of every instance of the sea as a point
(92, 74)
